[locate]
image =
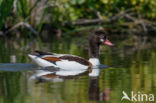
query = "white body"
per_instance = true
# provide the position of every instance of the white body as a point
(70, 65)
(63, 64)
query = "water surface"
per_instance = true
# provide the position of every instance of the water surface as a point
(131, 64)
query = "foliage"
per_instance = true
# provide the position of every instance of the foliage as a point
(5, 10)
(61, 13)
(77, 9)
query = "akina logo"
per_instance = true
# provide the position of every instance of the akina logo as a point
(137, 96)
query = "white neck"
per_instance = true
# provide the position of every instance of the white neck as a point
(94, 61)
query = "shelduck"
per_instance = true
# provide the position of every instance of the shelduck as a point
(72, 62)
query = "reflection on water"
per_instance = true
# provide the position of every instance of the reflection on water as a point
(94, 91)
(62, 75)
(16, 67)
(53, 74)
(131, 67)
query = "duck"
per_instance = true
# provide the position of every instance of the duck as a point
(73, 62)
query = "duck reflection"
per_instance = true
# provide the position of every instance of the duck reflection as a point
(48, 73)
(51, 74)
(93, 89)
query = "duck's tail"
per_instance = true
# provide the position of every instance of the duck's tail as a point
(39, 61)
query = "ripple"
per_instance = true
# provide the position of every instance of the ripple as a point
(14, 67)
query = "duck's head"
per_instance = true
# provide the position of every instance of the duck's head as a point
(96, 39)
(99, 37)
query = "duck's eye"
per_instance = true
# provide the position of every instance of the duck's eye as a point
(105, 37)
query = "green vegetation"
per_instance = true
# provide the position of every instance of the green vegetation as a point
(67, 15)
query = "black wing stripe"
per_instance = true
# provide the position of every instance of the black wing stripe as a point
(77, 59)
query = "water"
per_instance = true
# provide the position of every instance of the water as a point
(131, 64)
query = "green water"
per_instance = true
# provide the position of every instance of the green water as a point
(132, 68)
